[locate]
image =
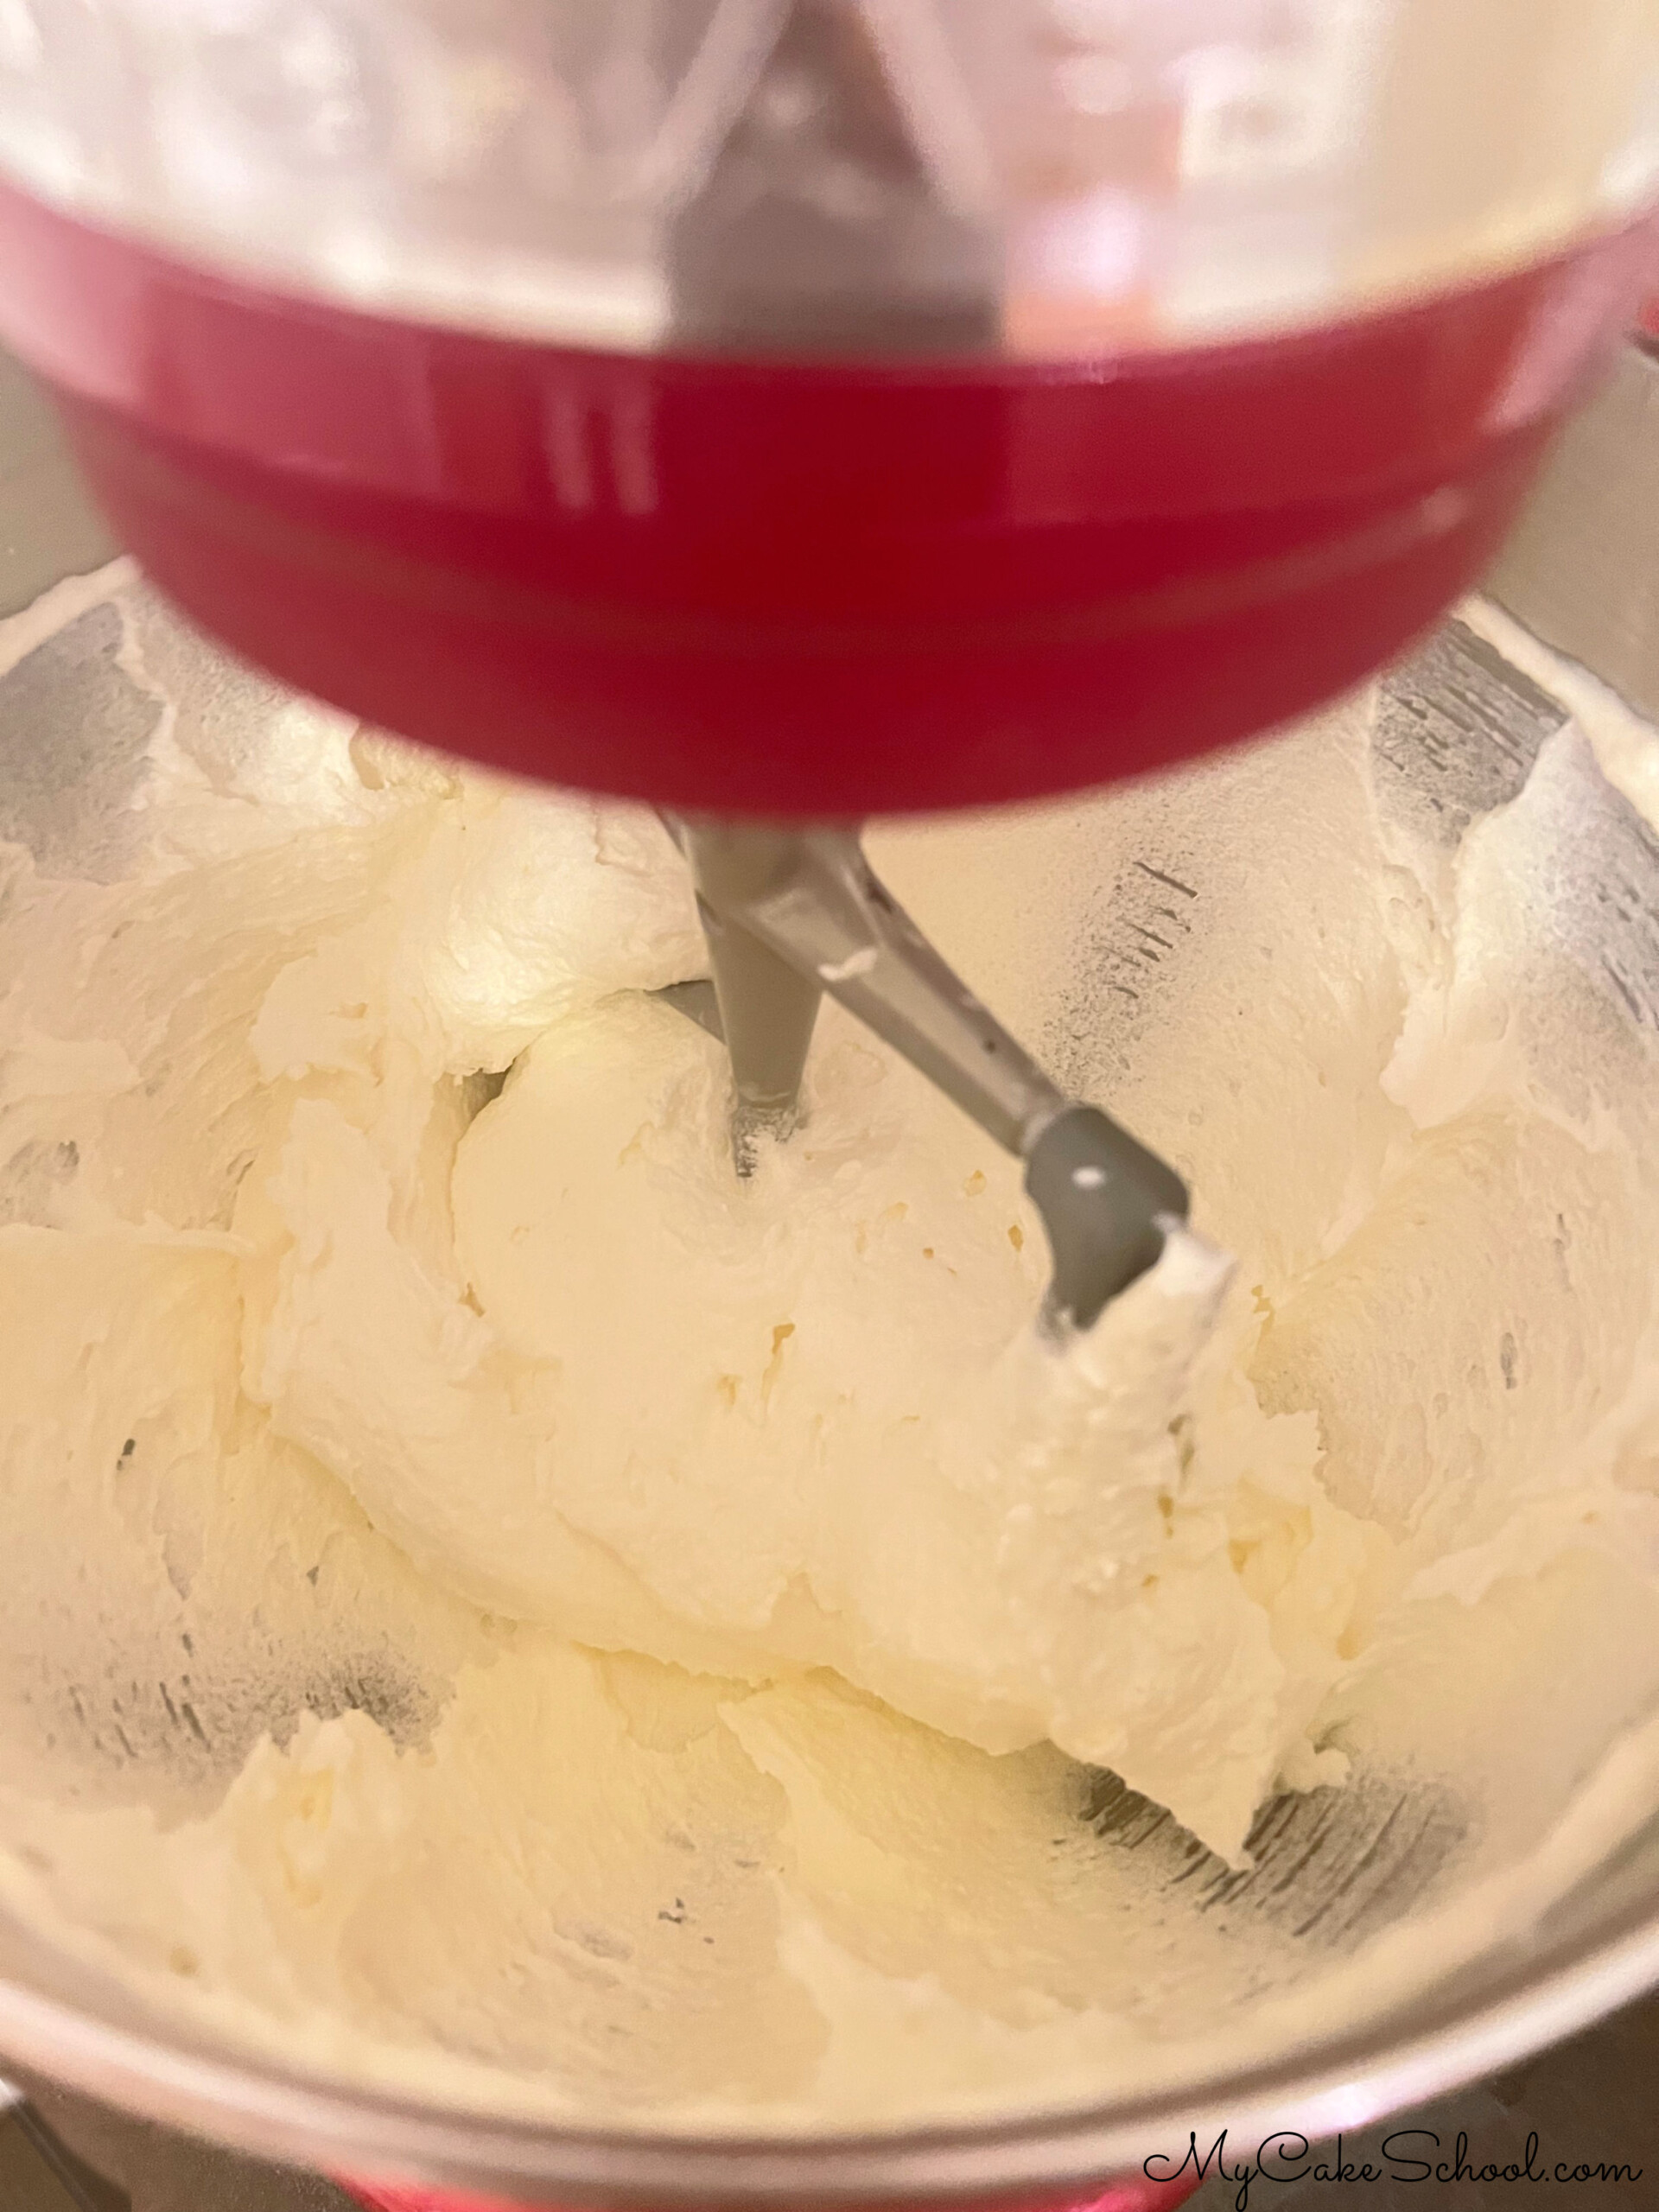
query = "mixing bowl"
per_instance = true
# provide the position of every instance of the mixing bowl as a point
(1448, 744)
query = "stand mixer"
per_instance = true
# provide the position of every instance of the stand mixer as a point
(787, 414)
(793, 410)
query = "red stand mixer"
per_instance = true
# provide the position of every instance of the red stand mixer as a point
(784, 411)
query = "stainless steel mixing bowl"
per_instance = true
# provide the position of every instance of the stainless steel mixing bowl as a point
(1584, 574)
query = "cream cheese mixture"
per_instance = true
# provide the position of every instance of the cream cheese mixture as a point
(498, 1606)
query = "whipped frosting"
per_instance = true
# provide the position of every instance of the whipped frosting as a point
(490, 1590)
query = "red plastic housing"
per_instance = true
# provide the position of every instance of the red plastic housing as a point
(1131, 2195)
(816, 591)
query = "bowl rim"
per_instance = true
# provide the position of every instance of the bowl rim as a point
(293, 2113)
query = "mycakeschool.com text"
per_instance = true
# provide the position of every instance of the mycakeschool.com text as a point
(1407, 2156)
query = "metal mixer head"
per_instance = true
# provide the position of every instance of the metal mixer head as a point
(790, 914)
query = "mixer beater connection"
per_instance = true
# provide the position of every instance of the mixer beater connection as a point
(790, 913)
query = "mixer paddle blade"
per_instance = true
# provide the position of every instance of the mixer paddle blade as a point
(767, 1009)
(791, 913)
